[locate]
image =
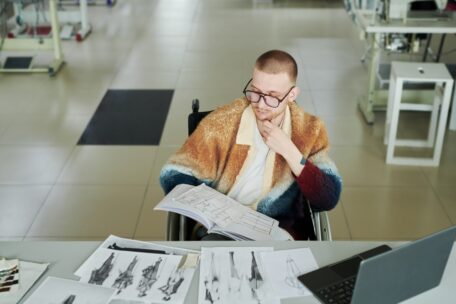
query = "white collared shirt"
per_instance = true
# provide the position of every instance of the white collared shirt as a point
(255, 177)
(248, 188)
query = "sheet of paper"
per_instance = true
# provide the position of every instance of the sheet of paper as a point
(9, 276)
(29, 273)
(128, 243)
(283, 267)
(233, 275)
(57, 290)
(136, 276)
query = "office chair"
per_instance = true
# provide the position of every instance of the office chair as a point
(180, 227)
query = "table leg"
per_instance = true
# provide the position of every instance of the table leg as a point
(452, 126)
(366, 104)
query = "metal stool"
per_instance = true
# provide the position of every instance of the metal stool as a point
(418, 72)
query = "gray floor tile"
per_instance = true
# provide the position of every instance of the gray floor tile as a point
(20, 205)
(89, 211)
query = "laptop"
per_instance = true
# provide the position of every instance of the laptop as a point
(384, 275)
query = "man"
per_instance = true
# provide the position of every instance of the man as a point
(262, 150)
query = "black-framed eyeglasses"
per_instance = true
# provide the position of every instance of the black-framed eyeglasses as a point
(269, 100)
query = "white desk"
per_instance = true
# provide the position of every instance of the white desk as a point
(39, 44)
(376, 99)
(66, 257)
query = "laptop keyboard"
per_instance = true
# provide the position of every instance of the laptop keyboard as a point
(339, 293)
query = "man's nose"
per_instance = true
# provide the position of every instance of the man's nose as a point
(262, 103)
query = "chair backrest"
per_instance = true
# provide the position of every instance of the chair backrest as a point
(195, 117)
(183, 226)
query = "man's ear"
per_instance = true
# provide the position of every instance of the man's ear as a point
(294, 93)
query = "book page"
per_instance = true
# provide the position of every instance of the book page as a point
(169, 203)
(216, 206)
(228, 214)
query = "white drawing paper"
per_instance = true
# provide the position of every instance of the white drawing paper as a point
(139, 276)
(233, 275)
(62, 291)
(29, 273)
(9, 276)
(128, 243)
(283, 267)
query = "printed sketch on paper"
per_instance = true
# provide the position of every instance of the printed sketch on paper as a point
(149, 277)
(172, 284)
(283, 267)
(244, 286)
(125, 278)
(61, 291)
(138, 276)
(70, 299)
(293, 272)
(212, 282)
(9, 276)
(99, 275)
(235, 280)
(233, 275)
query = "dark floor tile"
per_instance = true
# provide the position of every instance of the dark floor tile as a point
(128, 117)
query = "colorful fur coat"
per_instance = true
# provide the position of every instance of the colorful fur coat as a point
(221, 147)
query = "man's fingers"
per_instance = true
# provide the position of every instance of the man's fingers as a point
(268, 125)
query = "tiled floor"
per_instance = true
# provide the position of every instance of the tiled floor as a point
(52, 189)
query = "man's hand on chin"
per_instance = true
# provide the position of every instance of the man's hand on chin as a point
(280, 143)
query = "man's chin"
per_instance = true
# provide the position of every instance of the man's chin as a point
(262, 116)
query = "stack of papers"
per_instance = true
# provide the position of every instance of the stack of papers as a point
(17, 277)
(9, 276)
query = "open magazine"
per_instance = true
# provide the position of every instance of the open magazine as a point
(222, 214)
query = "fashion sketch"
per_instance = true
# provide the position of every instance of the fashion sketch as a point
(239, 283)
(256, 279)
(125, 278)
(293, 272)
(61, 291)
(137, 276)
(149, 277)
(212, 283)
(235, 279)
(69, 300)
(283, 267)
(234, 276)
(99, 275)
(172, 284)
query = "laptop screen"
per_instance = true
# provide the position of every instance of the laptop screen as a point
(405, 271)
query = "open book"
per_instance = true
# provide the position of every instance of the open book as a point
(222, 214)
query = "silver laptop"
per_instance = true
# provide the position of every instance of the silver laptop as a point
(384, 275)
